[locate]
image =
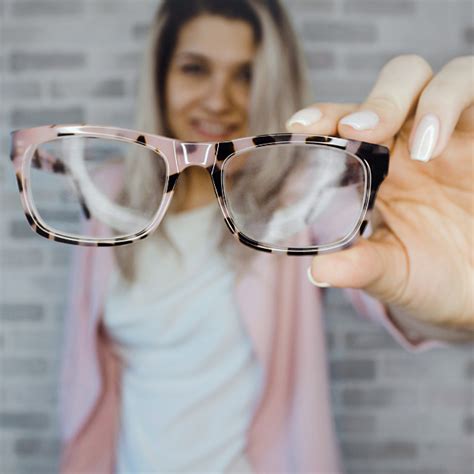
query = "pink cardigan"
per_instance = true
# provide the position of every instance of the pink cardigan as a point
(292, 429)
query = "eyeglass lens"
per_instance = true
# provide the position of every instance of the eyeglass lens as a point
(116, 184)
(281, 194)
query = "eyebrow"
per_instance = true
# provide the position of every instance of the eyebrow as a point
(191, 55)
(203, 58)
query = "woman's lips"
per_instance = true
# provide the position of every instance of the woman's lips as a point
(214, 131)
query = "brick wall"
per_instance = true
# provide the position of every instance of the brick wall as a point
(76, 61)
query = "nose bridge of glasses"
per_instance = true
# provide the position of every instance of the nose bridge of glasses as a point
(195, 154)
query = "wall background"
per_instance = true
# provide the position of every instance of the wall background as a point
(67, 61)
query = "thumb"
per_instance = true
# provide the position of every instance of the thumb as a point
(378, 266)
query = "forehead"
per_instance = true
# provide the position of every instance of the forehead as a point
(217, 39)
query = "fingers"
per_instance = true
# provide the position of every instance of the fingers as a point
(320, 119)
(466, 121)
(405, 86)
(391, 101)
(446, 100)
(364, 266)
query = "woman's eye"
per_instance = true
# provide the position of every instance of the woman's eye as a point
(193, 69)
(245, 74)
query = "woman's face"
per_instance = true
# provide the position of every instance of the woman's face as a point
(207, 89)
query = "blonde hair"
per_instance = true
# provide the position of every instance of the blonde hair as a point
(279, 88)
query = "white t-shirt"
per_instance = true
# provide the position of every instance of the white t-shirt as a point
(190, 377)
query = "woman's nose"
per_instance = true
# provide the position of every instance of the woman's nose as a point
(218, 97)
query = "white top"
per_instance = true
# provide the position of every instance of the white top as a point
(190, 379)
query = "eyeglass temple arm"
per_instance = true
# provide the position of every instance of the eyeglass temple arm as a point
(46, 161)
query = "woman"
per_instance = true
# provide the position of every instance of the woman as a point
(239, 385)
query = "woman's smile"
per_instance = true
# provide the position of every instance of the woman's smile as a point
(213, 130)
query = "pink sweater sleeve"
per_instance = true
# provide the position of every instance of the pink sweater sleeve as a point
(372, 309)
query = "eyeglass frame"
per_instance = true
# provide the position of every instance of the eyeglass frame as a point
(179, 155)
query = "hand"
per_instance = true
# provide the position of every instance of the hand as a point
(420, 256)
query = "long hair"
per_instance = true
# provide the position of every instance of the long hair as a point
(279, 88)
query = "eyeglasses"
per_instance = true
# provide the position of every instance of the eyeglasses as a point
(285, 193)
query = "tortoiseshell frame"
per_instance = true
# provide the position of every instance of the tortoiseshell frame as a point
(178, 156)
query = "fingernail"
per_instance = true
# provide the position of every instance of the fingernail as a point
(425, 139)
(364, 120)
(305, 117)
(317, 283)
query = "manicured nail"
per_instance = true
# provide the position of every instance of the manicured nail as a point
(425, 139)
(305, 117)
(364, 120)
(316, 283)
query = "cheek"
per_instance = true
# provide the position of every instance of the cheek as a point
(181, 98)
(242, 103)
(177, 100)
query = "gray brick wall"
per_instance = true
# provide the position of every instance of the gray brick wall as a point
(75, 61)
